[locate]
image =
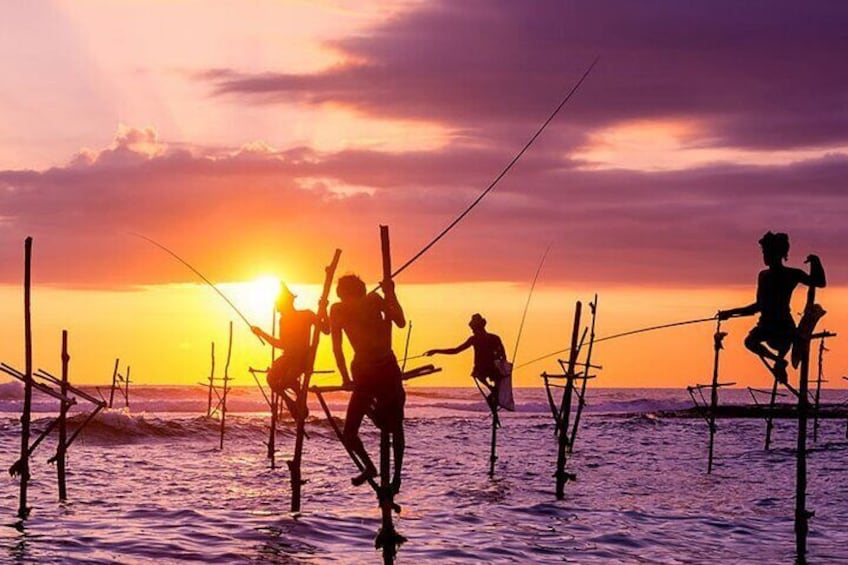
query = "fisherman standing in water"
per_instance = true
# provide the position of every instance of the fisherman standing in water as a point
(489, 352)
(366, 319)
(775, 332)
(295, 331)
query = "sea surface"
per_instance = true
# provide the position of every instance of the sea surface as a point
(149, 484)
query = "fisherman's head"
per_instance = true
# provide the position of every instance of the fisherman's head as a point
(775, 248)
(350, 287)
(477, 323)
(285, 299)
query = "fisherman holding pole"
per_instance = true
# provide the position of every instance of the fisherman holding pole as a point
(489, 359)
(775, 332)
(295, 328)
(366, 319)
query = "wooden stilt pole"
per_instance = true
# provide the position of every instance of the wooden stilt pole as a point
(127, 388)
(565, 408)
(388, 539)
(63, 416)
(272, 433)
(211, 383)
(581, 402)
(493, 457)
(770, 414)
(23, 511)
(300, 417)
(819, 380)
(718, 338)
(114, 383)
(226, 386)
(802, 515)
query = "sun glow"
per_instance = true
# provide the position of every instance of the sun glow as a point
(256, 297)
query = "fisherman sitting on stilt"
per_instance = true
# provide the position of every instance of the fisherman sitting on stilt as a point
(489, 354)
(284, 376)
(377, 383)
(775, 332)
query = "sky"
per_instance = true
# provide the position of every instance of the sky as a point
(255, 138)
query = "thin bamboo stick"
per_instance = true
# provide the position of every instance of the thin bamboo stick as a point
(114, 383)
(211, 383)
(581, 401)
(718, 338)
(802, 515)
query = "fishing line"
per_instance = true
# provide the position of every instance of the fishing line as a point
(501, 175)
(623, 334)
(527, 304)
(199, 274)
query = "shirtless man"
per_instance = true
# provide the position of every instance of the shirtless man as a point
(294, 339)
(774, 333)
(366, 320)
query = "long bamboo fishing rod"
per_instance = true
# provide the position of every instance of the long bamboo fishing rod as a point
(623, 334)
(502, 174)
(527, 304)
(199, 274)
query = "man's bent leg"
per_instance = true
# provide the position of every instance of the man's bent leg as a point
(356, 409)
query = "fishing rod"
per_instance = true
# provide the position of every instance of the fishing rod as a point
(501, 175)
(527, 304)
(623, 334)
(199, 274)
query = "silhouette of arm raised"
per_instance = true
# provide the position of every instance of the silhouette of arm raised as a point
(391, 306)
(451, 351)
(816, 277)
(271, 340)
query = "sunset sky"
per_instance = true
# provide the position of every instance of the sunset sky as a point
(253, 138)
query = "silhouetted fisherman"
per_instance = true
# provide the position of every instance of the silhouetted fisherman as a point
(776, 327)
(295, 329)
(366, 319)
(489, 352)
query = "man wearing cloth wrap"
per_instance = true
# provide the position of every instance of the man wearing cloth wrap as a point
(366, 320)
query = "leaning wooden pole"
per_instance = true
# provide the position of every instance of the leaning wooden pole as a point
(300, 417)
(802, 515)
(63, 422)
(770, 414)
(114, 382)
(127, 388)
(226, 386)
(493, 456)
(565, 407)
(718, 338)
(23, 511)
(581, 402)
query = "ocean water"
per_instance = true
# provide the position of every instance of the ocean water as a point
(149, 485)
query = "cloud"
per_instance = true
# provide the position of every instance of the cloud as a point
(756, 75)
(237, 212)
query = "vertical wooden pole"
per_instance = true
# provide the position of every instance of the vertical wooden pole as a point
(718, 337)
(226, 385)
(770, 414)
(582, 400)
(565, 407)
(493, 457)
(819, 378)
(387, 535)
(63, 416)
(114, 383)
(211, 383)
(272, 433)
(23, 511)
(127, 388)
(801, 514)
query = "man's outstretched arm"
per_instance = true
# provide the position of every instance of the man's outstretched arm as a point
(450, 351)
